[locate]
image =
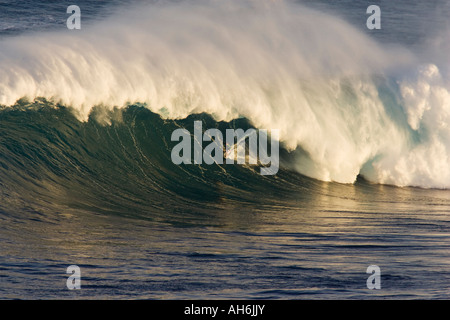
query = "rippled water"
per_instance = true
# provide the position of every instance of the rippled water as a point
(305, 248)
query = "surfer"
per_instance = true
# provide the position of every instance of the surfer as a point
(227, 149)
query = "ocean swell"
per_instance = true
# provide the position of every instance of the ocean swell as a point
(345, 105)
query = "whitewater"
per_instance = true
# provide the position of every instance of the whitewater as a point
(345, 104)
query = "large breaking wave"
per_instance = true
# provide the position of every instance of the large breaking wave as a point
(345, 105)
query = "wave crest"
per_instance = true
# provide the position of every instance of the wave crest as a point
(335, 95)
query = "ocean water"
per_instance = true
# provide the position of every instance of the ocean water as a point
(87, 179)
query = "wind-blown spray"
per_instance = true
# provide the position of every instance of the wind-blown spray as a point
(344, 104)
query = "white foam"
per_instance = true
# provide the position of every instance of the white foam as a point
(281, 65)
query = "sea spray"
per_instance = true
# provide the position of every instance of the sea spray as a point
(334, 92)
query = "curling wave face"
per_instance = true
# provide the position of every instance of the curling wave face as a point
(52, 162)
(345, 105)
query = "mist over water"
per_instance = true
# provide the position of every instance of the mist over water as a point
(345, 104)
